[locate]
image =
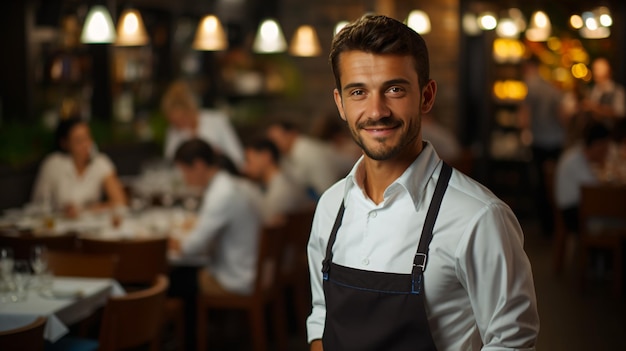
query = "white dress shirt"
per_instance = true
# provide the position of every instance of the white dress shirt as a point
(59, 183)
(572, 171)
(283, 195)
(215, 128)
(478, 281)
(312, 163)
(227, 231)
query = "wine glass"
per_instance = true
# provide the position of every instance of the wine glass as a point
(6, 261)
(39, 259)
(21, 277)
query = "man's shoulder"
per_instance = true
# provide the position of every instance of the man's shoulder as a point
(467, 194)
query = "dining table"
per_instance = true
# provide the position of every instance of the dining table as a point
(65, 301)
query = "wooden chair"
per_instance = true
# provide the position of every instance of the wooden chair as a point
(128, 321)
(266, 292)
(23, 243)
(294, 274)
(607, 204)
(78, 264)
(25, 338)
(140, 261)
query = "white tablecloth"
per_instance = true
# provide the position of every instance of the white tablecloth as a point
(60, 308)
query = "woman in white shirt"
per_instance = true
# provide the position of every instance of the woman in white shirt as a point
(74, 177)
(187, 120)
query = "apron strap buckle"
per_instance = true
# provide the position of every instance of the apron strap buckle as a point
(420, 260)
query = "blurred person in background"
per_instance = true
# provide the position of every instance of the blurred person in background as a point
(578, 166)
(281, 194)
(607, 100)
(76, 177)
(541, 113)
(224, 237)
(333, 130)
(309, 161)
(443, 140)
(187, 120)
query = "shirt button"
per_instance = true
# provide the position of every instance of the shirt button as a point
(366, 261)
(373, 214)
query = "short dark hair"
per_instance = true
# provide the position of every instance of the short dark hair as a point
(63, 130)
(596, 131)
(264, 144)
(381, 35)
(196, 149)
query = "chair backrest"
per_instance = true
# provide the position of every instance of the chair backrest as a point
(297, 230)
(134, 319)
(23, 243)
(604, 205)
(139, 260)
(29, 337)
(271, 244)
(78, 264)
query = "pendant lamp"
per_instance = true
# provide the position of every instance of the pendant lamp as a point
(131, 30)
(98, 27)
(210, 35)
(269, 38)
(305, 42)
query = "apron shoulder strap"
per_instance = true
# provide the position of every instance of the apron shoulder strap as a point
(332, 238)
(421, 256)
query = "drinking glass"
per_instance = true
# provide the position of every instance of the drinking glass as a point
(6, 270)
(21, 277)
(39, 259)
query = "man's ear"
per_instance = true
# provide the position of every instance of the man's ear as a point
(428, 96)
(339, 103)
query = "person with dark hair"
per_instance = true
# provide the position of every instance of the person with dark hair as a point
(75, 176)
(281, 194)
(406, 253)
(309, 161)
(228, 223)
(576, 168)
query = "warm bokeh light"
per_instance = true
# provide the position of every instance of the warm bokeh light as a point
(487, 21)
(130, 30)
(576, 21)
(508, 50)
(510, 90)
(554, 44)
(540, 27)
(339, 26)
(210, 35)
(470, 24)
(579, 70)
(507, 28)
(419, 21)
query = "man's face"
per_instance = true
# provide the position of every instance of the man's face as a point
(79, 143)
(381, 100)
(195, 175)
(256, 163)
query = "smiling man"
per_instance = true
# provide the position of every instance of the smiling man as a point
(406, 253)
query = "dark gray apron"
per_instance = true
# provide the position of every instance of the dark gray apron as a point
(367, 310)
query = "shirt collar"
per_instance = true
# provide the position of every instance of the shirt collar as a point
(413, 180)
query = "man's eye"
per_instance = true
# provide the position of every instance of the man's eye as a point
(395, 89)
(357, 92)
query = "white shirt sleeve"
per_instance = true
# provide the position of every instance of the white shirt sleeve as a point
(316, 254)
(44, 183)
(496, 273)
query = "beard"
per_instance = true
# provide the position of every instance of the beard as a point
(384, 149)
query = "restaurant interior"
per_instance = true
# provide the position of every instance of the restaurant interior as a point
(257, 62)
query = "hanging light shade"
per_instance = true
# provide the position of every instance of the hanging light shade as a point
(305, 42)
(339, 26)
(210, 35)
(540, 27)
(419, 21)
(98, 27)
(269, 38)
(130, 29)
